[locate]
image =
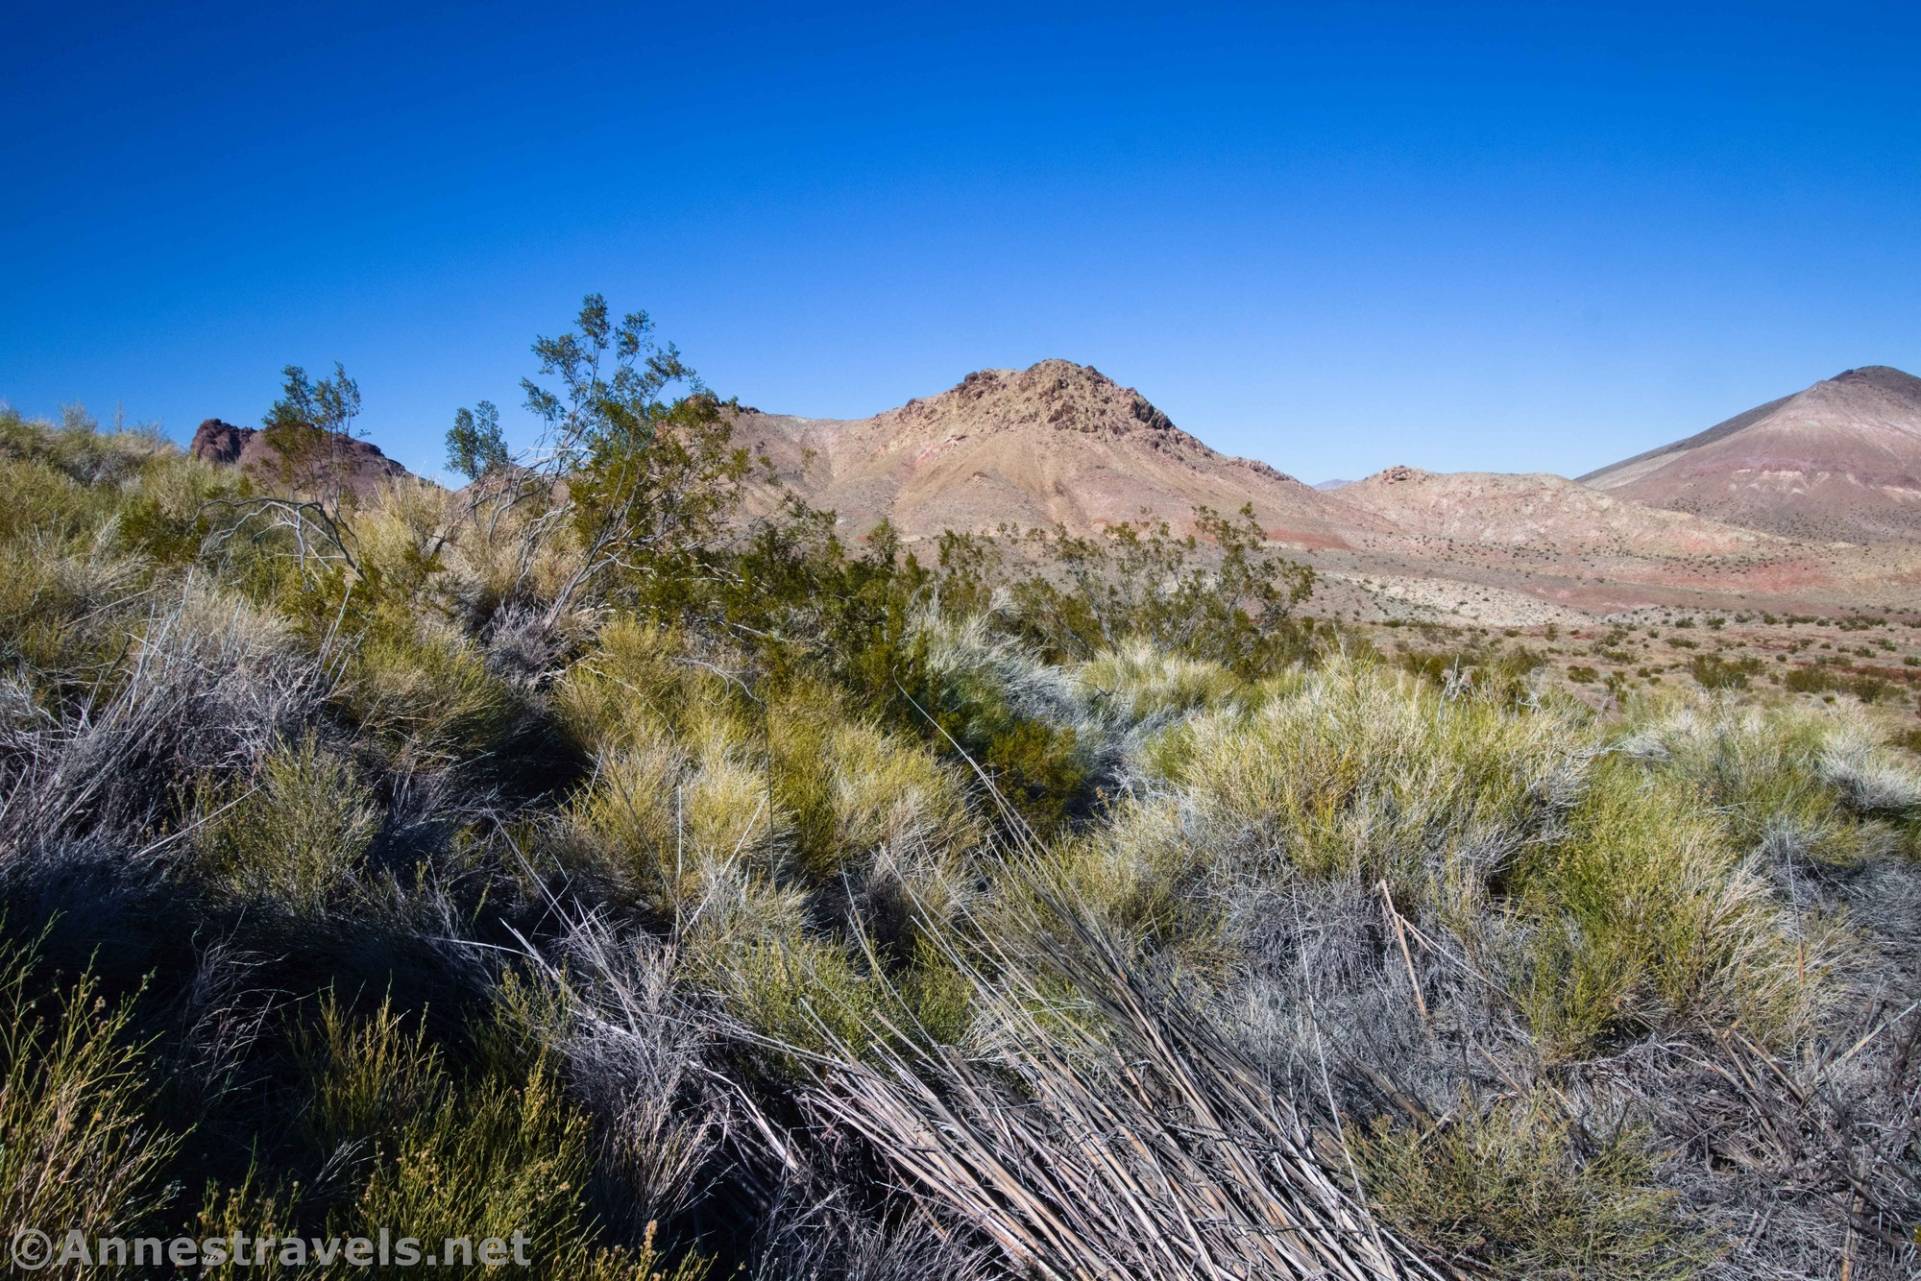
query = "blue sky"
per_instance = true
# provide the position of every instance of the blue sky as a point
(1334, 237)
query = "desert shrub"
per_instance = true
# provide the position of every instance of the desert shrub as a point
(1217, 594)
(1519, 1190)
(1770, 776)
(1022, 723)
(435, 1154)
(1139, 681)
(794, 988)
(369, 1075)
(295, 836)
(176, 510)
(246, 1209)
(630, 685)
(78, 1149)
(46, 506)
(1143, 878)
(64, 615)
(1366, 773)
(1711, 671)
(1871, 781)
(491, 1159)
(423, 692)
(856, 790)
(1649, 922)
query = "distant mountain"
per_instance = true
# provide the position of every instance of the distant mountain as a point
(1054, 444)
(362, 464)
(1838, 461)
(1329, 486)
(1541, 512)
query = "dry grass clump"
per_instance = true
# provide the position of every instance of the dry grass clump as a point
(1115, 1137)
(1873, 780)
(207, 684)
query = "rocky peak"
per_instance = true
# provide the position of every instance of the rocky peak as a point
(226, 445)
(215, 441)
(1056, 394)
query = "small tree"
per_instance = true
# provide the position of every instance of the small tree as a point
(308, 428)
(645, 478)
(475, 446)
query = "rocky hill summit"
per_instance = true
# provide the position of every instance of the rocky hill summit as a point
(363, 466)
(1057, 443)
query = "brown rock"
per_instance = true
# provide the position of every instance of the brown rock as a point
(363, 467)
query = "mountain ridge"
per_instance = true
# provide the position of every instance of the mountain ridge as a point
(1839, 460)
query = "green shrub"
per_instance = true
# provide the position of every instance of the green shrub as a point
(1711, 671)
(297, 835)
(425, 693)
(78, 1150)
(1648, 922)
(1511, 1188)
(1364, 773)
(855, 790)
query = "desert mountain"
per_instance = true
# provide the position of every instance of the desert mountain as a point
(1054, 444)
(363, 466)
(1541, 511)
(1838, 461)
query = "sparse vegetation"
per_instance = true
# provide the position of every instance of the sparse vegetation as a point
(650, 870)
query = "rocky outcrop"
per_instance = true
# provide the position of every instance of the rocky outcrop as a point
(360, 464)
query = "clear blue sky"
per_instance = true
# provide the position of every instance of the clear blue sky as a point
(1334, 237)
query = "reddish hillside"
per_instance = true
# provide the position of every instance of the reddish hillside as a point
(1541, 511)
(1838, 461)
(1054, 444)
(361, 463)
